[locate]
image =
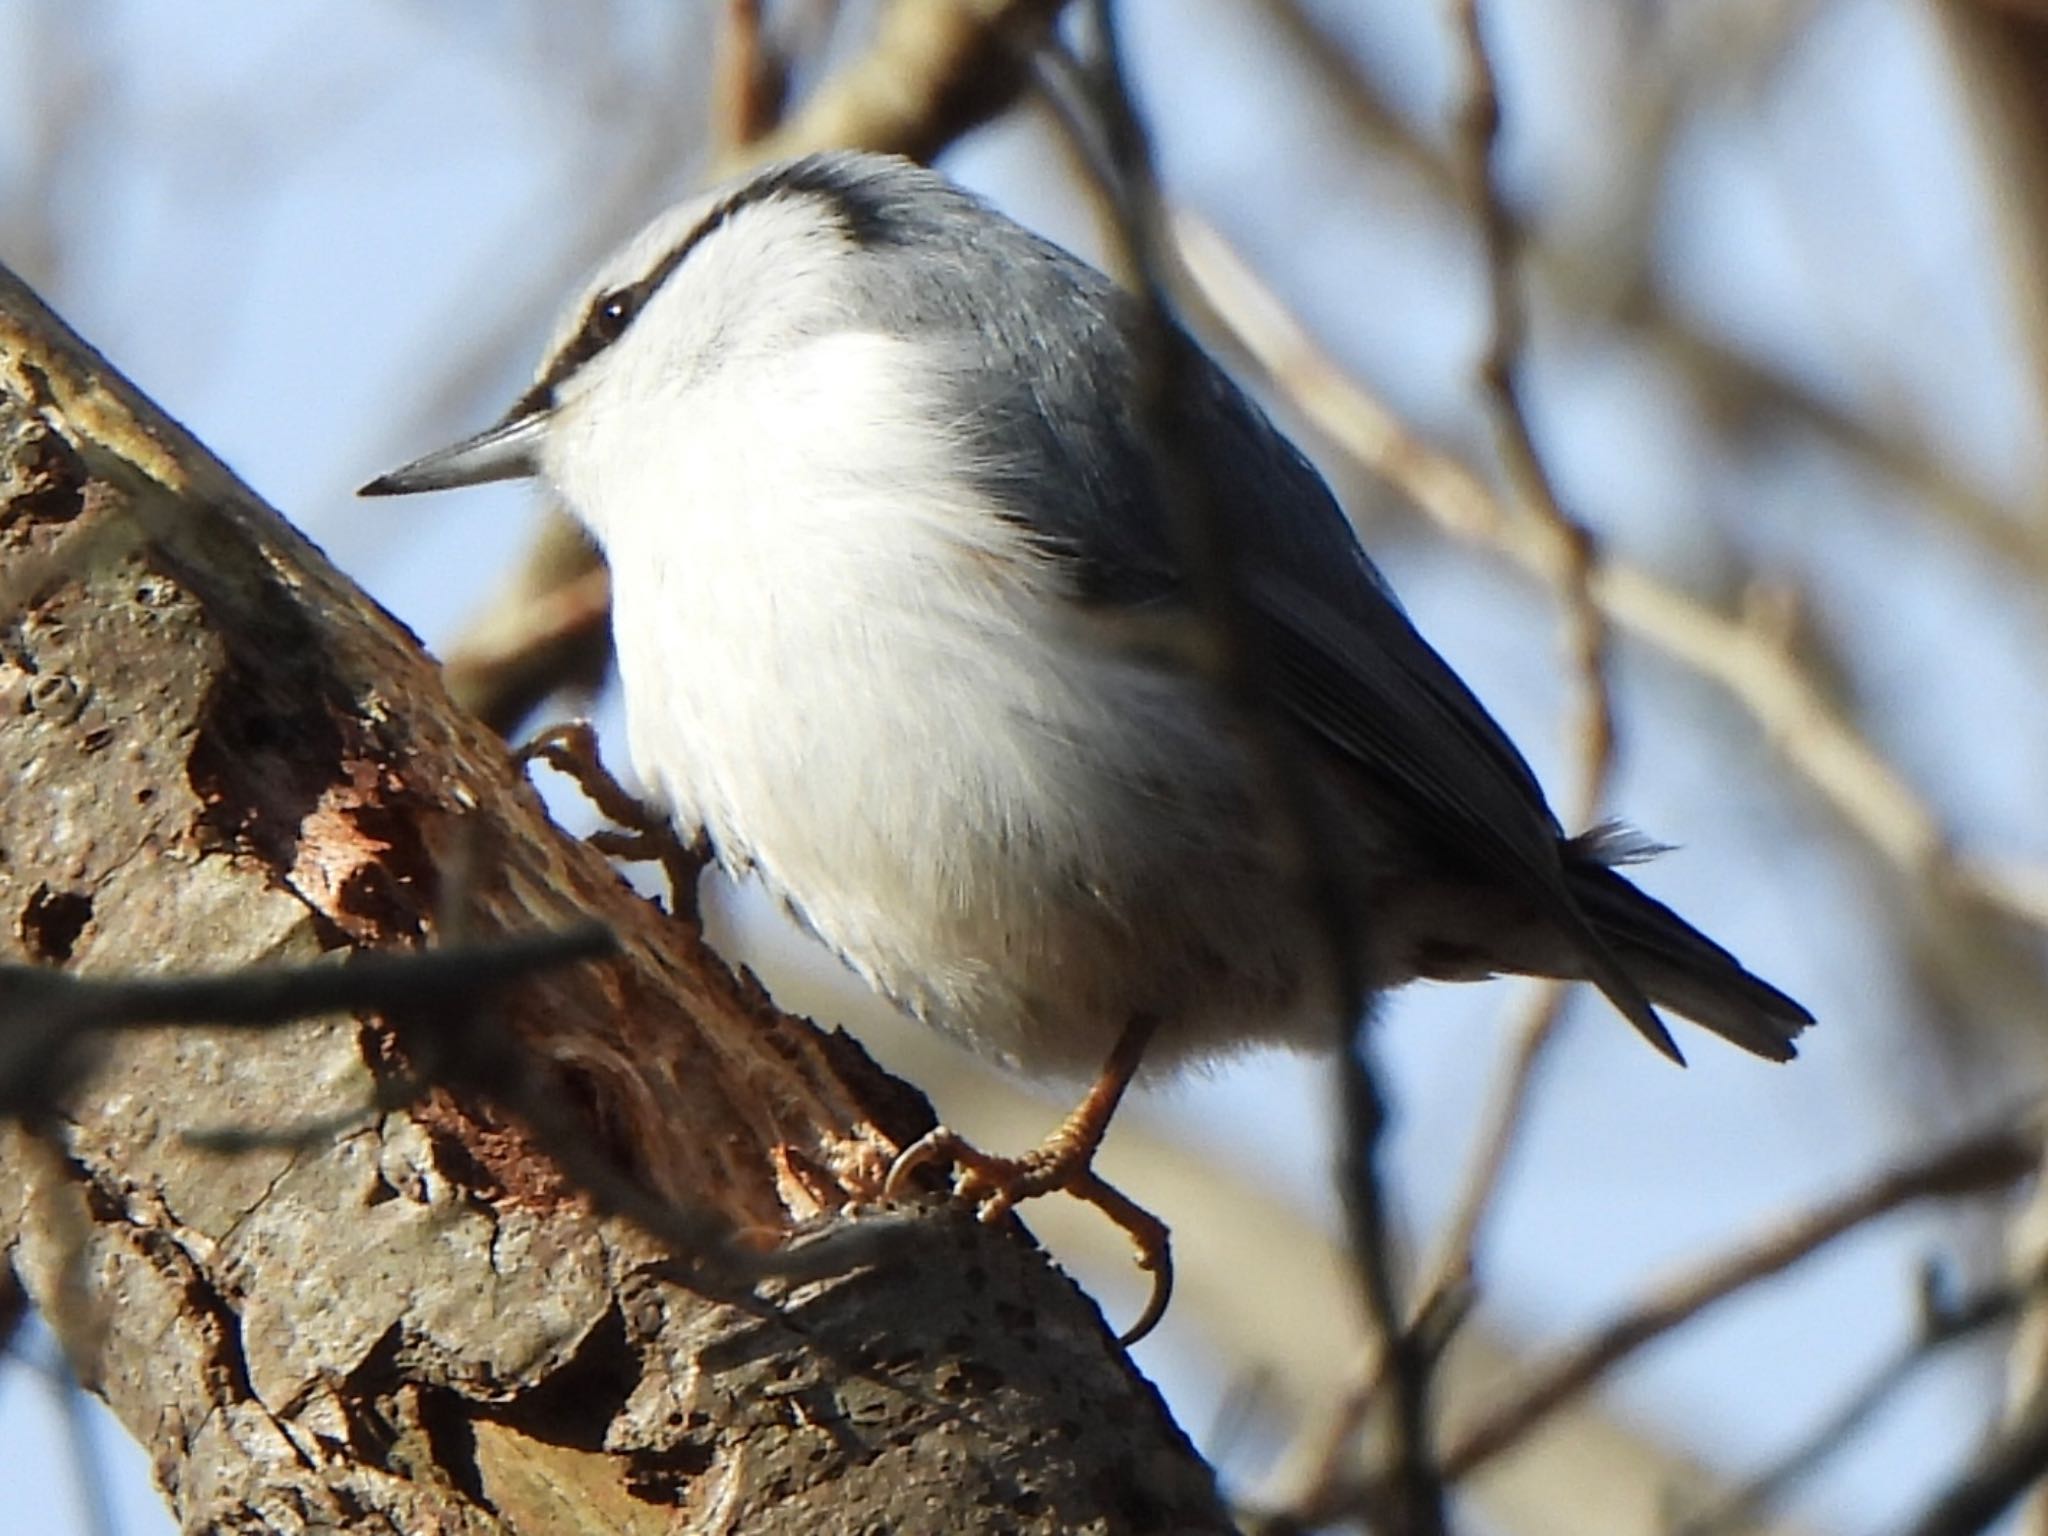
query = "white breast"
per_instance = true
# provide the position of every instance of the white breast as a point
(867, 685)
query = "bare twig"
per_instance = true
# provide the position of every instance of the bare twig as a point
(1981, 1164)
(1451, 1270)
(1943, 1322)
(429, 997)
(1569, 547)
(1573, 557)
(50, 1015)
(545, 633)
(2012, 1463)
(89, 1471)
(749, 79)
(934, 71)
(1732, 386)
(1094, 105)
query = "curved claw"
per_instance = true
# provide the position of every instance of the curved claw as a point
(996, 1185)
(1150, 1237)
(936, 1145)
(570, 748)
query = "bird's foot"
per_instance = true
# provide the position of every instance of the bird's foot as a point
(639, 835)
(1063, 1162)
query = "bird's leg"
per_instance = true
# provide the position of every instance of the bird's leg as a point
(998, 1183)
(1063, 1161)
(638, 834)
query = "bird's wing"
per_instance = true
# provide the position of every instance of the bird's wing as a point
(1376, 694)
(1347, 667)
(1032, 355)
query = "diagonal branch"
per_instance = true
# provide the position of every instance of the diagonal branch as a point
(434, 1319)
(1982, 1164)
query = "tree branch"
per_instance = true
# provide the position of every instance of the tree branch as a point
(221, 755)
(1990, 1161)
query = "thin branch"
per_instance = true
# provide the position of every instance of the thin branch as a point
(1092, 103)
(1451, 1270)
(1942, 1324)
(1574, 555)
(1569, 548)
(2012, 1463)
(428, 997)
(749, 79)
(935, 70)
(50, 1015)
(1732, 385)
(1981, 1164)
(546, 632)
(370, 980)
(89, 1470)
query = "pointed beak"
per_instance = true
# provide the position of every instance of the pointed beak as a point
(508, 451)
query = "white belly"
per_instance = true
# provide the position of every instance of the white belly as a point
(1011, 826)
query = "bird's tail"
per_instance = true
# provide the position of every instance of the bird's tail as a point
(1680, 967)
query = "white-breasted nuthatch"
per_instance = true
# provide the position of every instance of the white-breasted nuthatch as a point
(867, 462)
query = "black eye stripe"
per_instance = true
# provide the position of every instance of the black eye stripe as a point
(607, 319)
(611, 313)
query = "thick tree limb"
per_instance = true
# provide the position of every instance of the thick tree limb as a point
(218, 753)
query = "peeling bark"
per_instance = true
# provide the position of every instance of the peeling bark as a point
(218, 753)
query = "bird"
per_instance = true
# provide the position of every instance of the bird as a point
(900, 611)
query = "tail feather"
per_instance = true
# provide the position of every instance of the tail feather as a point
(1680, 967)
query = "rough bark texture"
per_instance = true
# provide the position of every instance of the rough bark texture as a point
(217, 753)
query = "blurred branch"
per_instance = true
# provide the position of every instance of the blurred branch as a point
(2000, 51)
(1943, 1322)
(1981, 1164)
(545, 631)
(1568, 545)
(1573, 559)
(750, 80)
(428, 998)
(62, 73)
(935, 70)
(1091, 101)
(89, 1471)
(233, 757)
(1453, 1268)
(1408, 1498)
(1732, 386)
(2011, 1464)
(2000, 57)
(47, 1015)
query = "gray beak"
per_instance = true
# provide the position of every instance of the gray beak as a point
(508, 451)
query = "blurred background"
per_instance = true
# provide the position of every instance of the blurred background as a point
(1783, 260)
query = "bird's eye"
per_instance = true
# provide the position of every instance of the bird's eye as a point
(613, 313)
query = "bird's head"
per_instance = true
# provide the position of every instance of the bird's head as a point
(725, 282)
